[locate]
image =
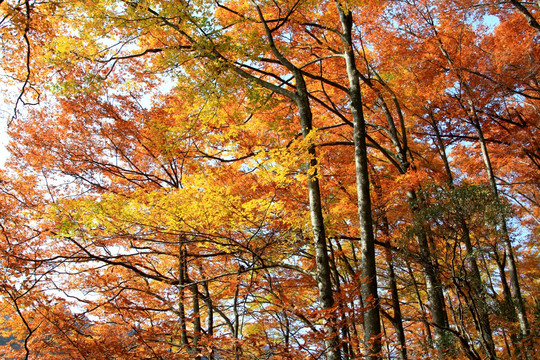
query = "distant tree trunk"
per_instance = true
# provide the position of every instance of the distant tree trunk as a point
(350, 332)
(181, 287)
(397, 319)
(210, 313)
(196, 318)
(429, 336)
(434, 288)
(484, 327)
(512, 269)
(236, 325)
(346, 350)
(475, 120)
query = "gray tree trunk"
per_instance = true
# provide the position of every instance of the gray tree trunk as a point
(512, 269)
(372, 321)
(323, 275)
(484, 326)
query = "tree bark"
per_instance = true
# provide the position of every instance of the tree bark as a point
(434, 288)
(397, 319)
(372, 321)
(484, 328)
(512, 269)
(323, 273)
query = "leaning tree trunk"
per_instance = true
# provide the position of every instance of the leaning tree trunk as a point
(437, 306)
(512, 269)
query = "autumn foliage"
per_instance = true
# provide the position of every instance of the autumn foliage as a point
(270, 180)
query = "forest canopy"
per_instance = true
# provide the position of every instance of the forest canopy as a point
(296, 179)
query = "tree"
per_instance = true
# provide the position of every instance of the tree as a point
(288, 179)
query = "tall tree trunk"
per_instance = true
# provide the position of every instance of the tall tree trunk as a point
(236, 327)
(397, 319)
(433, 284)
(196, 319)
(484, 327)
(434, 288)
(514, 281)
(512, 269)
(181, 287)
(301, 98)
(351, 328)
(210, 313)
(323, 273)
(372, 320)
(340, 308)
(429, 336)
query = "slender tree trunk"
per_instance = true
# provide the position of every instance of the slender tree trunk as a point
(372, 320)
(434, 288)
(512, 269)
(484, 327)
(341, 311)
(210, 314)
(181, 285)
(486, 336)
(349, 329)
(509, 309)
(196, 318)
(323, 274)
(514, 282)
(236, 329)
(397, 319)
(433, 284)
(429, 336)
